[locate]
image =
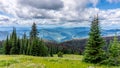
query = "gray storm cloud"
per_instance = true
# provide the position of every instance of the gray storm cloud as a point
(43, 4)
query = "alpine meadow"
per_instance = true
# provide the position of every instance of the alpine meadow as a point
(59, 33)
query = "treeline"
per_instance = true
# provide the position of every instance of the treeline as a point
(33, 45)
(94, 50)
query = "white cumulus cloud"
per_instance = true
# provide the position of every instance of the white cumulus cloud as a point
(58, 12)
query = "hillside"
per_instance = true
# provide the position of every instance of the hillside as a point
(68, 61)
(79, 44)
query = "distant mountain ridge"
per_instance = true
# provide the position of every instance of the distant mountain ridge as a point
(58, 34)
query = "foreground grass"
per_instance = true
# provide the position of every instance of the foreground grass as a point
(68, 61)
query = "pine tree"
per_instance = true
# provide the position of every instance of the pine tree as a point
(43, 48)
(51, 50)
(33, 48)
(24, 44)
(36, 47)
(26, 47)
(7, 46)
(35, 51)
(114, 53)
(29, 48)
(18, 45)
(93, 51)
(15, 48)
(34, 32)
(21, 46)
(115, 47)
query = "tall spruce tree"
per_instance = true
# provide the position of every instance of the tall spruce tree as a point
(7, 46)
(43, 48)
(18, 45)
(35, 51)
(94, 49)
(114, 53)
(51, 50)
(33, 48)
(21, 46)
(36, 47)
(24, 44)
(34, 32)
(115, 47)
(15, 47)
(29, 48)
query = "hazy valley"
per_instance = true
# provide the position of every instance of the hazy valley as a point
(58, 34)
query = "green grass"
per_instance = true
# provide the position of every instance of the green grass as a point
(68, 61)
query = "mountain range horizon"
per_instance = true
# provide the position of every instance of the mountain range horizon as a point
(58, 34)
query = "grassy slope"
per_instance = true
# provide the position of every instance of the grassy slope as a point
(68, 61)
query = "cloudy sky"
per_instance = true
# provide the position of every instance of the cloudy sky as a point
(59, 12)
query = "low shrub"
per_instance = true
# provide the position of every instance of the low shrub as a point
(60, 54)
